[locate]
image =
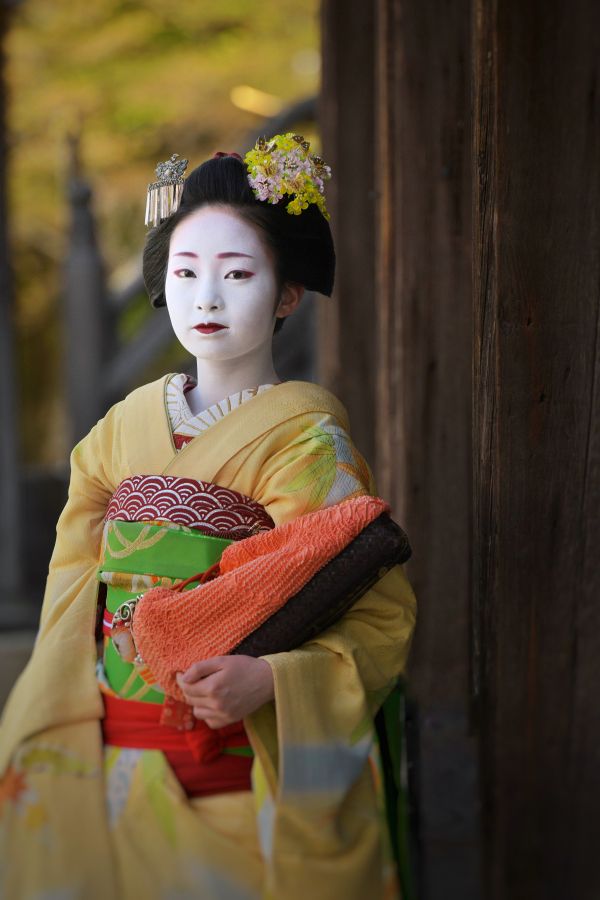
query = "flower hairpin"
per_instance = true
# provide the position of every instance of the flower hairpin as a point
(283, 165)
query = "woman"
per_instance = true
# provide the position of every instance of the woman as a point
(106, 790)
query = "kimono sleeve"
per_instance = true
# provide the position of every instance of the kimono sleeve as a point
(93, 462)
(58, 685)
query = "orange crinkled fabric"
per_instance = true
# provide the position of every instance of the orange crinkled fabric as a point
(174, 629)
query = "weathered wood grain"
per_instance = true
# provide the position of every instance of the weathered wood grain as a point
(417, 399)
(537, 443)
(424, 401)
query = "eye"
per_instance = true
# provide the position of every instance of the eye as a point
(241, 272)
(184, 273)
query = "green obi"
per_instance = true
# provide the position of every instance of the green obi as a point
(137, 556)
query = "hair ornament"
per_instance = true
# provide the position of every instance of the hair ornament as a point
(283, 165)
(165, 193)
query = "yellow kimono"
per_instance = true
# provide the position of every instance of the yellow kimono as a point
(81, 820)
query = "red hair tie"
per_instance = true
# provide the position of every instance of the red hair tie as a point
(221, 153)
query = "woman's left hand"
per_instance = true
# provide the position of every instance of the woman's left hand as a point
(224, 689)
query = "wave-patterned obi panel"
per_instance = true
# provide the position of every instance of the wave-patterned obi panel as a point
(202, 505)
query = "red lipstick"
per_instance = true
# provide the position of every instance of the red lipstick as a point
(209, 327)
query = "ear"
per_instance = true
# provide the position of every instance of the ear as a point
(291, 295)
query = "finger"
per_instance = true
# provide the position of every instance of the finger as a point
(208, 716)
(198, 698)
(200, 669)
(202, 689)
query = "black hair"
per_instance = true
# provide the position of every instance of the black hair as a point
(302, 245)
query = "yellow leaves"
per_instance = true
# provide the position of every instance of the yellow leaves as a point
(111, 755)
(322, 455)
(316, 478)
(153, 771)
(359, 470)
(36, 816)
(318, 460)
(56, 760)
(363, 729)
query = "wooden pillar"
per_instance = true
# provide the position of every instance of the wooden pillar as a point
(423, 402)
(537, 442)
(347, 322)
(405, 370)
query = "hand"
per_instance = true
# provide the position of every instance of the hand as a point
(224, 689)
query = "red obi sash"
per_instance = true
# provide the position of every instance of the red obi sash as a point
(199, 757)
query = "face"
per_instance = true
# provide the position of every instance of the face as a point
(220, 271)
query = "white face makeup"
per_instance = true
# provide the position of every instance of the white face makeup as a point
(219, 271)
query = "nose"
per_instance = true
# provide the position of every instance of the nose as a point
(208, 295)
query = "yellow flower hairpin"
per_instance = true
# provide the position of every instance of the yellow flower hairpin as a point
(283, 165)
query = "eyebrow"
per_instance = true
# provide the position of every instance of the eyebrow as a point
(225, 255)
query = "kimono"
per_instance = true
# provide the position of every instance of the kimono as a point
(81, 819)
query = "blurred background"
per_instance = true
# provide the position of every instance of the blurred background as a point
(463, 338)
(103, 92)
(95, 98)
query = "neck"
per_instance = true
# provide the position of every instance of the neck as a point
(219, 378)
